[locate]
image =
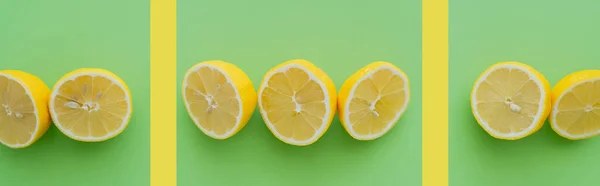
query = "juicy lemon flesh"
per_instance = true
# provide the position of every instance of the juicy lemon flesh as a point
(508, 100)
(376, 102)
(17, 118)
(91, 106)
(294, 104)
(212, 101)
(579, 109)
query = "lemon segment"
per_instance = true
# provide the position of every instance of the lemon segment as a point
(297, 101)
(372, 100)
(511, 100)
(576, 105)
(219, 97)
(90, 105)
(24, 114)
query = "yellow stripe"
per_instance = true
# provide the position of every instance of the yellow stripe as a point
(163, 163)
(435, 92)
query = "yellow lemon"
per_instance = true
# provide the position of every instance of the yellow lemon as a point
(90, 105)
(297, 101)
(511, 100)
(24, 114)
(372, 100)
(576, 105)
(219, 97)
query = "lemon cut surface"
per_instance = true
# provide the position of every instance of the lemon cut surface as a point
(511, 100)
(297, 101)
(90, 105)
(576, 105)
(24, 114)
(372, 100)
(219, 97)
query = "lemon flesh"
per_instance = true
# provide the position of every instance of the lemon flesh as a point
(23, 108)
(576, 105)
(90, 105)
(372, 100)
(219, 97)
(511, 100)
(297, 101)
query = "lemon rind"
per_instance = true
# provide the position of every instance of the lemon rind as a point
(538, 117)
(326, 100)
(238, 118)
(35, 112)
(109, 135)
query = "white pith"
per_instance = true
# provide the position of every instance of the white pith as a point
(326, 100)
(537, 116)
(237, 97)
(555, 112)
(89, 138)
(35, 112)
(389, 125)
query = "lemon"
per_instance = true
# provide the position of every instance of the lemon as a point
(297, 101)
(24, 114)
(576, 105)
(510, 100)
(372, 100)
(90, 105)
(219, 97)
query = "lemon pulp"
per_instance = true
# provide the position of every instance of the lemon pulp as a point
(378, 96)
(576, 105)
(90, 105)
(220, 98)
(511, 100)
(297, 101)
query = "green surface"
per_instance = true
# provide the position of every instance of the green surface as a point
(52, 38)
(340, 37)
(556, 38)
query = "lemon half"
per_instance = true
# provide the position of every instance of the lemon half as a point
(576, 105)
(511, 100)
(219, 97)
(372, 100)
(90, 105)
(297, 101)
(24, 114)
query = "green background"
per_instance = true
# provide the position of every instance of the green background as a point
(556, 38)
(52, 38)
(340, 37)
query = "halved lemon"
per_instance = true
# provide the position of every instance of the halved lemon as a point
(576, 105)
(372, 100)
(90, 105)
(297, 101)
(219, 97)
(24, 114)
(511, 100)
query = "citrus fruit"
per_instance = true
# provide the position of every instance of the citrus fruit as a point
(24, 114)
(90, 105)
(510, 100)
(219, 97)
(372, 100)
(297, 101)
(576, 105)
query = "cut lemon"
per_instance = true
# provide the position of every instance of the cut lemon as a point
(219, 97)
(90, 105)
(24, 114)
(297, 102)
(511, 100)
(372, 100)
(576, 105)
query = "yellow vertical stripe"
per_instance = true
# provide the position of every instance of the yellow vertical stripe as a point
(435, 92)
(163, 88)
